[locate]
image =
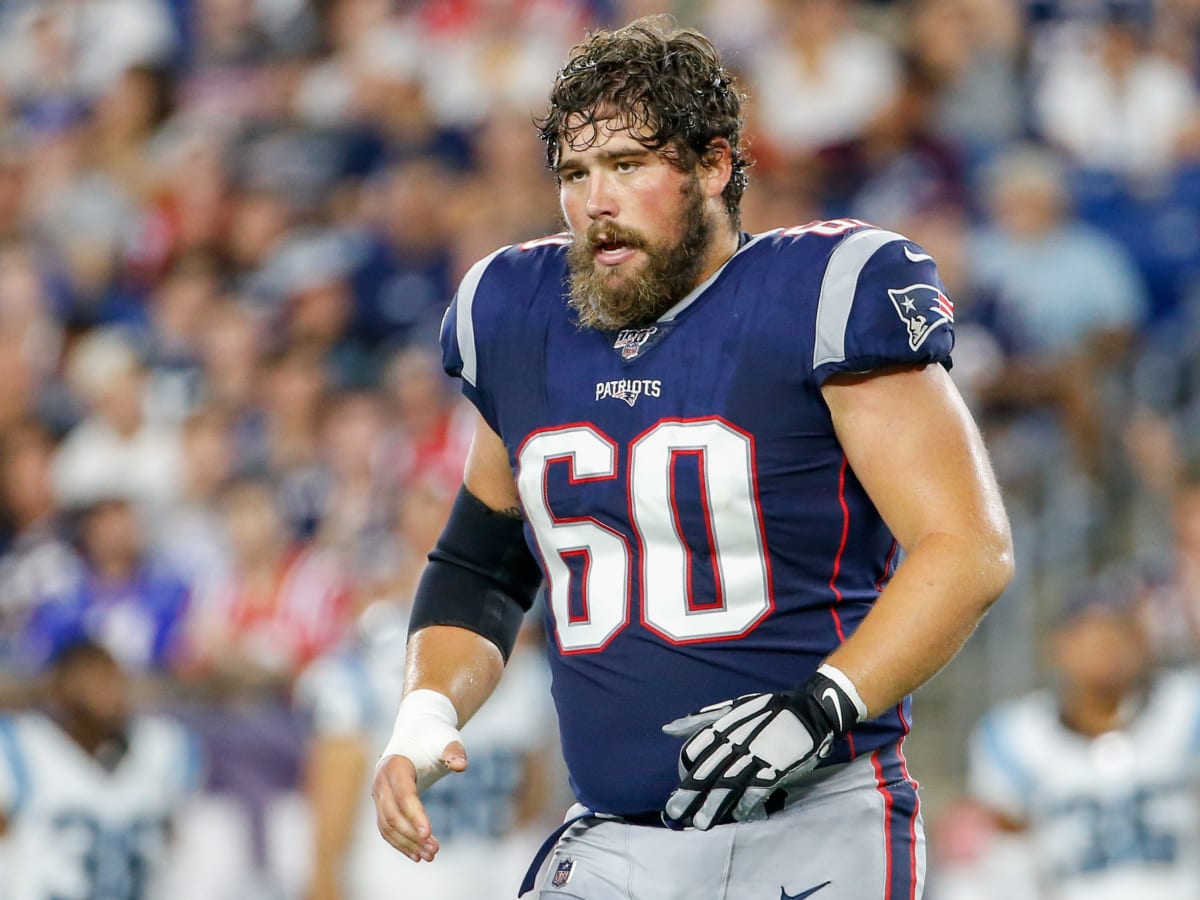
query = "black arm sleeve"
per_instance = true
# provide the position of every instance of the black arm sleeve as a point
(481, 575)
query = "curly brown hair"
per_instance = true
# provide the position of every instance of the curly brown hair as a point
(666, 84)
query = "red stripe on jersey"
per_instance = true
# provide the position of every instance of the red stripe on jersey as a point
(837, 559)
(562, 238)
(912, 820)
(888, 802)
(887, 566)
(898, 883)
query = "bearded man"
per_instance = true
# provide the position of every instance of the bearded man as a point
(733, 644)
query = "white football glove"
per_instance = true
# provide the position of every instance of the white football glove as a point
(740, 752)
(426, 724)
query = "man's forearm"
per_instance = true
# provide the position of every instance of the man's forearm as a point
(933, 603)
(453, 661)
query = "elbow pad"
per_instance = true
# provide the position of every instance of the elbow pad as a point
(481, 575)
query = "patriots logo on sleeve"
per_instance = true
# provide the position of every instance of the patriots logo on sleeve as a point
(922, 308)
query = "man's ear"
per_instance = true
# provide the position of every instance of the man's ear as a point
(716, 166)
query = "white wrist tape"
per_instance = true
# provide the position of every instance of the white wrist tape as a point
(425, 723)
(842, 680)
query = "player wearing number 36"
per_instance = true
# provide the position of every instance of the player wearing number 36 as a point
(714, 448)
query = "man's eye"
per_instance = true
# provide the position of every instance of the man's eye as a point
(573, 176)
(625, 167)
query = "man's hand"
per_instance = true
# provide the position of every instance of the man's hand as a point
(425, 745)
(739, 752)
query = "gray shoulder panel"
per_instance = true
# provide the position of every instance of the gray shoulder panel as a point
(464, 326)
(846, 263)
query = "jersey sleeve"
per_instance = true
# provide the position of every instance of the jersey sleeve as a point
(13, 778)
(189, 767)
(882, 303)
(335, 695)
(461, 347)
(996, 775)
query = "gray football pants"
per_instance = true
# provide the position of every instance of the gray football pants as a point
(853, 833)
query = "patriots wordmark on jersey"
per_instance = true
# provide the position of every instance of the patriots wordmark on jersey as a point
(705, 537)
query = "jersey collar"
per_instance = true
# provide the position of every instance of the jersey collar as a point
(746, 241)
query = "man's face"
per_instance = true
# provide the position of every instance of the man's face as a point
(95, 693)
(1101, 652)
(641, 227)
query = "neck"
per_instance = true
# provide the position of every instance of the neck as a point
(1092, 713)
(90, 738)
(723, 246)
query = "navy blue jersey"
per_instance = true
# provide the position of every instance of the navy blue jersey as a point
(700, 531)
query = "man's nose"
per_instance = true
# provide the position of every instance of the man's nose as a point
(601, 201)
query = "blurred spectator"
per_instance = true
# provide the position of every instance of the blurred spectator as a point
(285, 603)
(81, 212)
(80, 46)
(400, 549)
(1171, 602)
(366, 41)
(489, 56)
(1067, 299)
(356, 498)
(406, 265)
(191, 538)
(14, 169)
(819, 79)
(191, 161)
(240, 58)
(898, 165)
(231, 346)
(506, 152)
(126, 599)
(970, 48)
(31, 337)
(1099, 774)
(125, 121)
(178, 311)
(259, 219)
(781, 196)
(89, 789)
(38, 565)
(284, 440)
(374, 90)
(488, 824)
(116, 449)
(311, 283)
(432, 427)
(1113, 103)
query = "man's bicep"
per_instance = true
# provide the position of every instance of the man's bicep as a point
(913, 445)
(488, 474)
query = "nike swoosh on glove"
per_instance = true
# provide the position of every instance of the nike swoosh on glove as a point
(739, 752)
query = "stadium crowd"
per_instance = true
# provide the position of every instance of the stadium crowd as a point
(229, 230)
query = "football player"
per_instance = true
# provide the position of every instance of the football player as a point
(714, 448)
(88, 792)
(1100, 774)
(488, 819)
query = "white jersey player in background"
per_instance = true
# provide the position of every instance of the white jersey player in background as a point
(488, 817)
(88, 792)
(1101, 775)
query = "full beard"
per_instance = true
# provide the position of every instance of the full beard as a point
(609, 302)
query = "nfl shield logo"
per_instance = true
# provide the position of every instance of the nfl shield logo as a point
(630, 341)
(562, 874)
